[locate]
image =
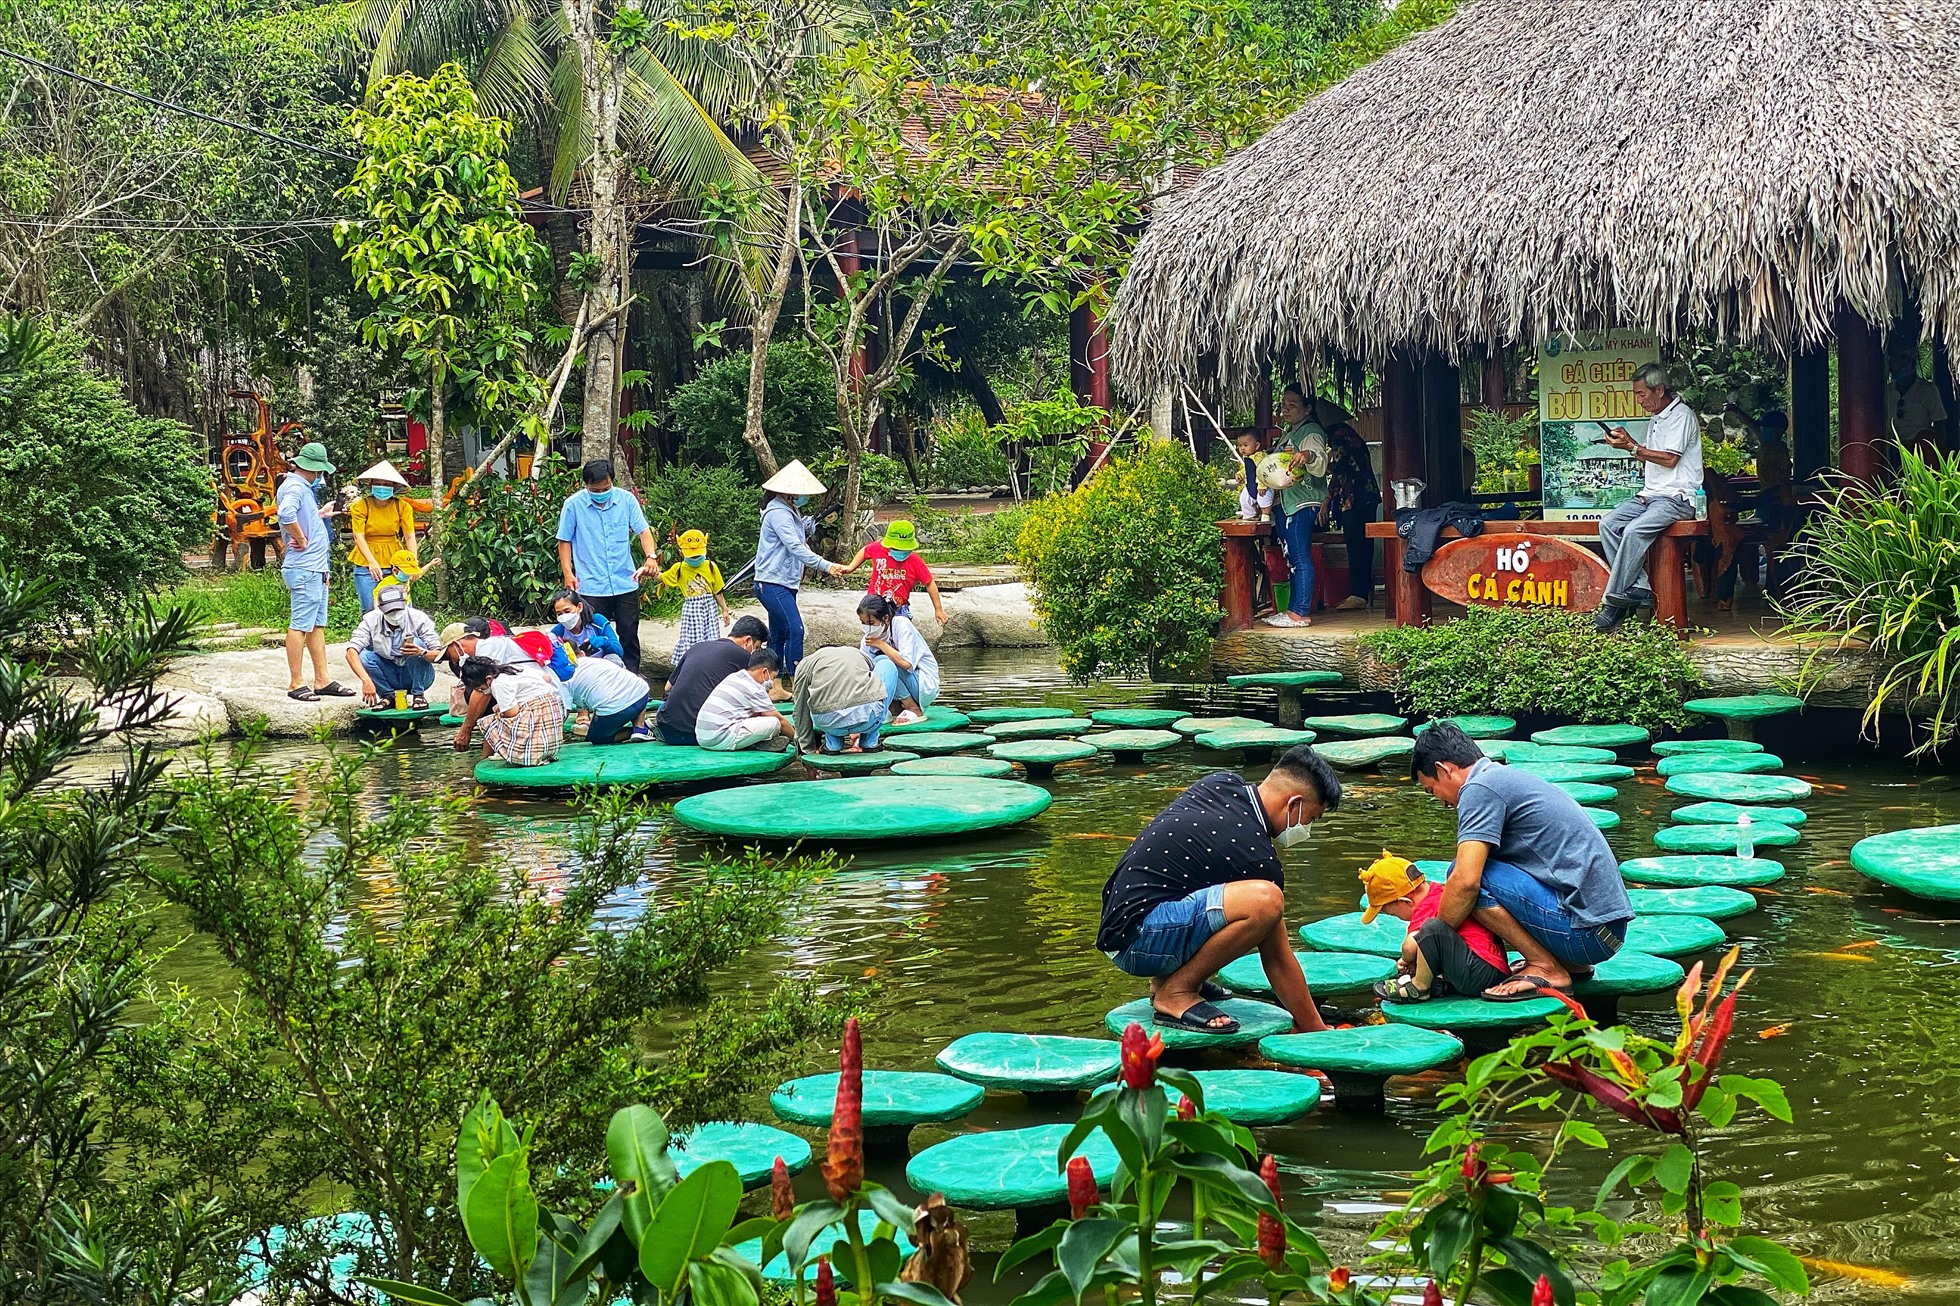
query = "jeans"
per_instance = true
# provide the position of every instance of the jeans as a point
(364, 586)
(785, 623)
(308, 592)
(1360, 552)
(864, 721)
(623, 610)
(1451, 960)
(1535, 905)
(605, 727)
(412, 674)
(1172, 933)
(1297, 532)
(898, 684)
(1626, 534)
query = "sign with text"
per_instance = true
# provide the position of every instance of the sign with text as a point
(1585, 384)
(1517, 571)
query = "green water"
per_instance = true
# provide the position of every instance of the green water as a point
(997, 933)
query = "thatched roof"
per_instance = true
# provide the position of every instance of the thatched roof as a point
(1535, 167)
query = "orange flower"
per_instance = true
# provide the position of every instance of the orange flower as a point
(782, 1198)
(1140, 1053)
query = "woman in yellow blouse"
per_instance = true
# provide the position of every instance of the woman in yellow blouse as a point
(380, 523)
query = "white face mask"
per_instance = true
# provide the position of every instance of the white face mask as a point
(1292, 834)
(873, 632)
(396, 618)
(570, 620)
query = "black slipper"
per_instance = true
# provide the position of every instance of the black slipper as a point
(334, 689)
(1212, 992)
(303, 694)
(1539, 987)
(1197, 1018)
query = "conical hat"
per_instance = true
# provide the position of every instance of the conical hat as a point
(384, 471)
(794, 479)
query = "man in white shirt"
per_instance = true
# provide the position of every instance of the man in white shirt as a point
(1912, 403)
(740, 714)
(1670, 461)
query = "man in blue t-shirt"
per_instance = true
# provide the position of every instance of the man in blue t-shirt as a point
(303, 566)
(1202, 886)
(596, 529)
(1530, 865)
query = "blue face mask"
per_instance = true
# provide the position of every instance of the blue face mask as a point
(899, 555)
(802, 501)
(381, 492)
(600, 498)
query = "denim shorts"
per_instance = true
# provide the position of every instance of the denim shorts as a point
(1172, 933)
(1536, 906)
(308, 592)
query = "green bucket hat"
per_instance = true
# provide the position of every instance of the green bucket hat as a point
(900, 535)
(313, 458)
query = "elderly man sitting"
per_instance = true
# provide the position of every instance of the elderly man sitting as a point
(394, 649)
(1670, 459)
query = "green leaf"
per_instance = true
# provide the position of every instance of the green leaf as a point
(1448, 1231)
(1506, 1286)
(414, 1294)
(1221, 1175)
(715, 1283)
(1679, 1285)
(555, 1277)
(1675, 1168)
(1773, 1261)
(1623, 1171)
(483, 1137)
(1184, 1082)
(890, 1209)
(1721, 1204)
(1031, 1246)
(501, 1217)
(1533, 1261)
(636, 1145)
(1735, 1294)
(689, 1224)
(1050, 1290)
(1581, 1132)
(1084, 1245)
(919, 1294)
(804, 1227)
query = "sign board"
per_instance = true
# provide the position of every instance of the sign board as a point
(1517, 571)
(1585, 384)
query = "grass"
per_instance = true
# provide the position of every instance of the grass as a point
(257, 599)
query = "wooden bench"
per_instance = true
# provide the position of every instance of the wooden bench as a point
(1665, 565)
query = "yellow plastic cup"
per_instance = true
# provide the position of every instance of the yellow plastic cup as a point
(401, 700)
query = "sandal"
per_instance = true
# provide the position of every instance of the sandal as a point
(333, 689)
(303, 695)
(419, 703)
(1403, 988)
(1214, 992)
(1537, 986)
(1197, 1018)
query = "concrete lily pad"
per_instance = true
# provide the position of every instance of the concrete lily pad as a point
(992, 716)
(1629, 972)
(1380, 1050)
(861, 808)
(937, 718)
(1356, 725)
(891, 1097)
(1255, 744)
(1719, 764)
(1690, 870)
(1729, 813)
(1605, 820)
(1924, 861)
(1288, 679)
(1345, 933)
(1530, 752)
(1032, 1063)
(1358, 754)
(1137, 718)
(1617, 735)
(1740, 788)
(610, 766)
(1745, 707)
(1593, 772)
(1049, 727)
(1685, 747)
(1506, 750)
(751, 1148)
(1470, 1014)
(1192, 726)
(937, 743)
(985, 768)
(1714, 901)
(1256, 1020)
(1040, 757)
(1584, 791)
(1326, 972)
(1253, 1098)
(877, 759)
(1477, 727)
(1129, 746)
(1673, 936)
(1007, 1168)
(1722, 838)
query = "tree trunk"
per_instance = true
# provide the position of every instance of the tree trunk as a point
(608, 235)
(438, 433)
(766, 314)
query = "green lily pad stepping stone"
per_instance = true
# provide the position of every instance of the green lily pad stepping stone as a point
(935, 743)
(986, 768)
(1044, 728)
(1477, 727)
(1531, 752)
(1360, 1060)
(894, 1101)
(1256, 1020)
(1288, 679)
(1137, 718)
(1691, 870)
(1257, 745)
(1625, 974)
(409, 714)
(1730, 813)
(1924, 861)
(1584, 792)
(1719, 764)
(1722, 838)
(1345, 933)
(1505, 750)
(609, 766)
(1591, 772)
(1129, 746)
(1601, 818)
(937, 718)
(876, 759)
(1745, 707)
(1359, 754)
(751, 1148)
(451, 719)
(1673, 936)
(1725, 788)
(1716, 902)
(1606, 736)
(778, 1270)
(1007, 1169)
(1032, 1063)
(1685, 747)
(868, 808)
(1253, 1098)
(993, 716)
(1327, 972)
(1040, 757)
(1356, 725)
(1192, 726)
(1463, 1015)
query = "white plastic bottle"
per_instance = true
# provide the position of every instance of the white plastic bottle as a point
(1745, 838)
(1701, 504)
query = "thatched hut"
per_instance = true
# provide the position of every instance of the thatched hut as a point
(1781, 171)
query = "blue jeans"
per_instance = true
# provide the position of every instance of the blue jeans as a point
(413, 674)
(308, 592)
(603, 728)
(785, 623)
(1535, 905)
(1172, 933)
(1296, 533)
(864, 721)
(898, 684)
(364, 586)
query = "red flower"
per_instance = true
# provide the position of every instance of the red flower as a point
(782, 1198)
(843, 1162)
(1140, 1055)
(1338, 1278)
(1612, 1096)
(1272, 1234)
(1187, 1109)
(1473, 1169)
(1541, 1292)
(1081, 1187)
(1432, 1294)
(826, 1286)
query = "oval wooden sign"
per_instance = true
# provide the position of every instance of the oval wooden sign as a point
(1517, 571)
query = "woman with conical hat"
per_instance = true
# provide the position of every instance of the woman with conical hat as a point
(781, 556)
(381, 524)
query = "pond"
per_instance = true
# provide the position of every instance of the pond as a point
(1852, 1007)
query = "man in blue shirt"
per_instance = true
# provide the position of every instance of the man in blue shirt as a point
(595, 553)
(308, 555)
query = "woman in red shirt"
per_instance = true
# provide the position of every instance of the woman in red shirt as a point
(897, 569)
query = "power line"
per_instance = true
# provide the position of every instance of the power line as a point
(113, 89)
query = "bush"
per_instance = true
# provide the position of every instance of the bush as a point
(719, 500)
(1126, 569)
(966, 455)
(978, 537)
(1524, 661)
(881, 479)
(500, 542)
(799, 408)
(91, 490)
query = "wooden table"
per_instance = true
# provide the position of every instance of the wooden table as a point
(1664, 565)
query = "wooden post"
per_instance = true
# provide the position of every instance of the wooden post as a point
(1810, 412)
(1666, 573)
(1242, 542)
(1494, 378)
(1861, 396)
(1088, 358)
(1402, 457)
(1442, 429)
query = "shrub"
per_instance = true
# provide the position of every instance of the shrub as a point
(1524, 661)
(966, 455)
(880, 479)
(799, 408)
(91, 490)
(1126, 569)
(722, 501)
(979, 537)
(500, 542)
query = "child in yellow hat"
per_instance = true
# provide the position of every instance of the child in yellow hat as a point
(1437, 958)
(700, 584)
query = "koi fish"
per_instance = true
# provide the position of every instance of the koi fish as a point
(1862, 943)
(1823, 892)
(1860, 1273)
(1776, 1031)
(1119, 838)
(1840, 956)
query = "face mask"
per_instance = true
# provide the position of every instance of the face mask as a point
(1292, 834)
(1904, 380)
(381, 492)
(872, 632)
(570, 620)
(396, 618)
(802, 501)
(693, 559)
(900, 555)
(600, 498)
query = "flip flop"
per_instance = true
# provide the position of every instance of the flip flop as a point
(303, 695)
(1212, 992)
(1539, 985)
(333, 689)
(1197, 1018)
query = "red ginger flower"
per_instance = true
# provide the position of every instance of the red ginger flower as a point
(826, 1286)
(1338, 1278)
(1541, 1292)
(843, 1162)
(1140, 1053)
(1432, 1294)
(1187, 1109)
(782, 1198)
(1272, 1235)
(1081, 1187)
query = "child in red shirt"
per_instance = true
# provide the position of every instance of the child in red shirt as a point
(897, 569)
(1437, 958)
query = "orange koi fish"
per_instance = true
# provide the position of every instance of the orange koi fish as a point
(1776, 1031)
(1825, 893)
(1860, 1273)
(1862, 943)
(1840, 956)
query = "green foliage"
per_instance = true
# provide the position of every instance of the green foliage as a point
(348, 380)
(1505, 447)
(966, 455)
(1710, 375)
(1523, 661)
(1724, 457)
(1126, 569)
(883, 479)
(980, 537)
(799, 408)
(500, 542)
(1881, 566)
(91, 490)
(723, 501)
